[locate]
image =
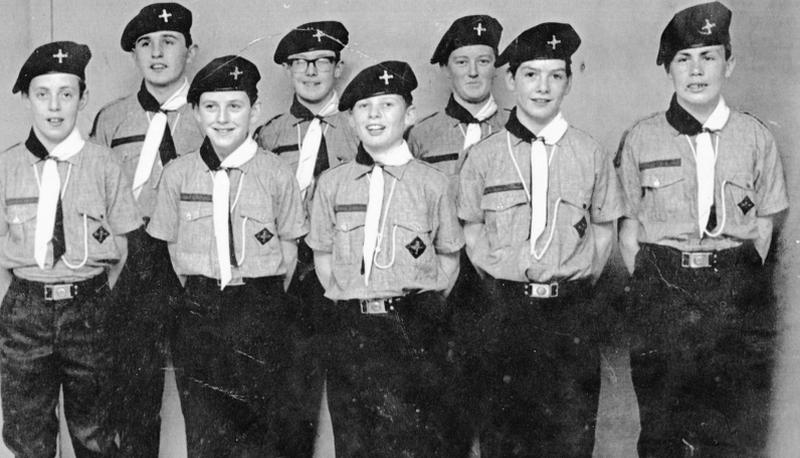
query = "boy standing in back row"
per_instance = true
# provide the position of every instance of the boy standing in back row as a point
(704, 183)
(146, 131)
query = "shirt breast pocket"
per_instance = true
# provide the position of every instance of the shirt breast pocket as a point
(662, 194)
(257, 235)
(573, 215)
(348, 237)
(506, 218)
(740, 200)
(411, 244)
(196, 228)
(95, 234)
(21, 221)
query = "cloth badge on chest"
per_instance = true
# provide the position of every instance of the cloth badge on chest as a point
(263, 236)
(416, 247)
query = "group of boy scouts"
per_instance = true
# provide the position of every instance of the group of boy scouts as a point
(432, 280)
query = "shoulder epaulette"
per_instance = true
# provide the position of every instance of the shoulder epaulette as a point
(749, 114)
(427, 118)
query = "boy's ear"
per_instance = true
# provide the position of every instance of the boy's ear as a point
(731, 64)
(191, 52)
(511, 83)
(338, 68)
(255, 111)
(84, 99)
(411, 116)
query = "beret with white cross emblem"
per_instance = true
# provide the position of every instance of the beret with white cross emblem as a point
(388, 77)
(466, 31)
(549, 40)
(313, 36)
(55, 57)
(154, 18)
(226, 73)
(700, 25)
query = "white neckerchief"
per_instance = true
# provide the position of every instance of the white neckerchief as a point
(152, 139)
(49, 189)
(396, 156)
(706, 158)
(310, 145)
(550, 135)
(220, 201)
(473, 134)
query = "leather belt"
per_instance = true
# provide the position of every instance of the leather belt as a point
(61, 291)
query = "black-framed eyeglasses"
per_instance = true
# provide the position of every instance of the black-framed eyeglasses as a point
(322, 64)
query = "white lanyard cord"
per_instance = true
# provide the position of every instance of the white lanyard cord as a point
(721, 225)
(538, 256)
(379, 242)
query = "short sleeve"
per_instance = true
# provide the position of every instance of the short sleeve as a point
(320, 235)
(470, 190)
(290, 218)
(449, 236)
(770, 184)
(628, 175)
(608, 204)
(164, 221)
(123, 215)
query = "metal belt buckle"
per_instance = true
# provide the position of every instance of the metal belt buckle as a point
(541, 290)
(59, 292)
(373, 306)
(696, 259)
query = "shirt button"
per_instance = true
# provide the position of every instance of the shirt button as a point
(188, 216)
(656, 183)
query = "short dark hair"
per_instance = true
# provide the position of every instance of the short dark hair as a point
(728, 54)
(514, 66)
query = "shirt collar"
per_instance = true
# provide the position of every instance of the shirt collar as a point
(303, 114)
(515, 127)
(366, 163)
(40, 153)
(147, 101)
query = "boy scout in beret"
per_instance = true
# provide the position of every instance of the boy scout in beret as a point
(467, 53)
(313, 135)
(230, 214)
(147, 130)
(538, 200)
(65, 207)
(386, 240)
(703, 182)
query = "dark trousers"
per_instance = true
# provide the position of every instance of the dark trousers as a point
(387, 374)
(47, 344)
(702, 356)
(529, 371)
(140, 324)
(237, 380)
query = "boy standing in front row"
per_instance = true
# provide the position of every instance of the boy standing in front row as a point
(146, 131)
(386, 240)
(538, 200)
(64, 205)
(704, 183)
(231, 214)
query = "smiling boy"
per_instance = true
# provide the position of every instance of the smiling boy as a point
(65, 206)
(146, 131)
(386, 242)
(704, 183)
(538, 200)
(230, 214)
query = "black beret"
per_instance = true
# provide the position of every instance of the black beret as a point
(226, 73)
(696, 26)
(313, 36)
(388, 77)
(55, 57)
(154, 18)
(466, 31)
(550, 40)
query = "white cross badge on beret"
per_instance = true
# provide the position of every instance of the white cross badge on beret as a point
(706, 29)
(235, 73)
(165, 15)
(385, 77)
(555, 41)
(60, 56)
(319, 35)
(479, 29)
